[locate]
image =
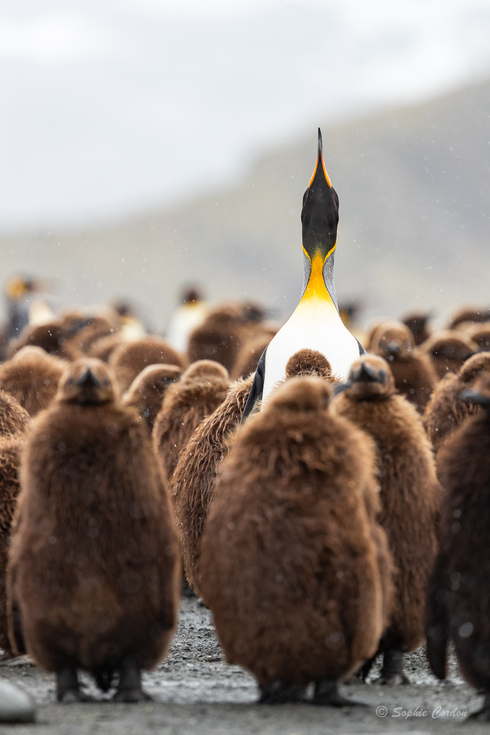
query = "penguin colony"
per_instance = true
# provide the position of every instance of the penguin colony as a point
(302, 498)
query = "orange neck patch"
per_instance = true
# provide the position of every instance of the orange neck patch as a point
(316, 288)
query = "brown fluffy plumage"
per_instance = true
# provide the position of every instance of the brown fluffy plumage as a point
(448, 351)
(93, 565)
(410, 497)
(32, 378)
(129, 359)
(289, 565)
(10, 453)
(412, 369)
(445, 410)
(194, 478)
(199, 392)
(219, 338)
(103, 347)
(52, 337)
(13, 418)
(309, 362)
(147, 390)
(469, 314)
(459, 604)
(480, 334)
(417, 324)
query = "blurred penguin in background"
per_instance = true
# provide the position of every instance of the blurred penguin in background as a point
(191, 313)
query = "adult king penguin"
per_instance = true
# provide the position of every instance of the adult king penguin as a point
(315, 323)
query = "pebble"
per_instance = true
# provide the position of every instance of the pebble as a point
(15, 705)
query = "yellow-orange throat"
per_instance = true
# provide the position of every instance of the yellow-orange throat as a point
(316, 288)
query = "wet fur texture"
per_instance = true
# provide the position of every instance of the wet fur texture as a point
(448, 351)
(13, 418)
(10, 453)
(129, 359)
(193, 482)
(147, 391)
(445, 411)
(412, 370)
(458, 604)
(309, 362)
(410, 497)
(94, 559)
(32, 378)
(289, 565)
(184, 406)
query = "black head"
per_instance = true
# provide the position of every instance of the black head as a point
(320, 212)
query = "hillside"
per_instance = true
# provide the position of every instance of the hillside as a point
(414, 189)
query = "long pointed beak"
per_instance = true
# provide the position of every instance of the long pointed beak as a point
(320, 163)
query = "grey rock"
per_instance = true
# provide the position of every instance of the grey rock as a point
(15, 705)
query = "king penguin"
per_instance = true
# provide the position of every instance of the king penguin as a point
(315, 323)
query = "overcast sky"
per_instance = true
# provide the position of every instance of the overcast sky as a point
(111, 107)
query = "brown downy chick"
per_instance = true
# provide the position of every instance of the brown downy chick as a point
(445, 411)
(219, 338)
(458, 602)
(289, 562)
(93, 565)
(448, 351)
(103, 347)
(198, 393)
(412, 370)
(194, 478)
(148, 389)
(410, 499)
(31, 376)
(51, 337)
(480, 334)
(14, 423)
(309, 362)
(474, 314)
(129, 359)
(418, 325)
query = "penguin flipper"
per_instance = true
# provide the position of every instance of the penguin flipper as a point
(362, 351)
(437, 624)
(257, 389)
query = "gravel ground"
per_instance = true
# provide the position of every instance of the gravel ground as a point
(195, 691)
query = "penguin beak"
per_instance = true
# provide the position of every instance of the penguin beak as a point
(320, 163)
(88, 380)
(340, 388)
(366, 374)
(393, 348)
(472, 396)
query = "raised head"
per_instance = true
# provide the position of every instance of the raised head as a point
(370, 378)
(320, 212)
(87, 381)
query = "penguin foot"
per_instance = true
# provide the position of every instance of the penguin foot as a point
(327, 693)
(364, 671)
(129, 687)
(68, 687)
(131, 695)
(281, 692)
(392, 673)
